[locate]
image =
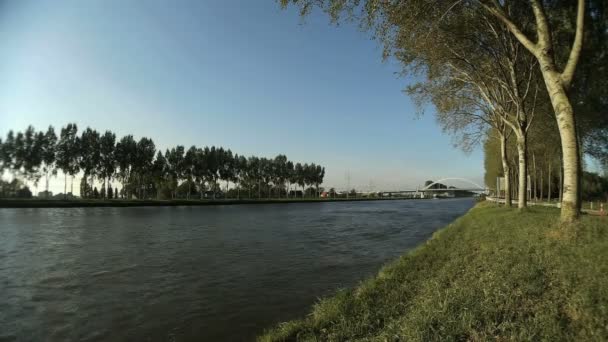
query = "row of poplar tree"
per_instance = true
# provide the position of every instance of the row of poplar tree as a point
(145, 172)
(545, 173)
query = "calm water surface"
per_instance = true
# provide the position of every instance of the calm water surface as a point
(216, 273)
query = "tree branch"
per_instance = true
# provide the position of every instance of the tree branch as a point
(577, 46)
(498, 12)
(542, 26)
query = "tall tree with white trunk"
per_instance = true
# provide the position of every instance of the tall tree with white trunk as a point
(558, 81)
(413, 21)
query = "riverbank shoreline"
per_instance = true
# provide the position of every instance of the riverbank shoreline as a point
(85, 203)
(493, 274)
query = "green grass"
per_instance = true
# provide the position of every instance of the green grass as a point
(494, 274)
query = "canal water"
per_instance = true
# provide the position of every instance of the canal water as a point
(214, 273)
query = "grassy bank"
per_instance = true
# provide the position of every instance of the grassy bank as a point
(494, 274)
(75, 203)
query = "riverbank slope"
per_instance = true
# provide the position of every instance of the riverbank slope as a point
(492, 274)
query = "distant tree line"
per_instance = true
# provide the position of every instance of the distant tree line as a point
(545, 168)
(144, 172)
(14, 189)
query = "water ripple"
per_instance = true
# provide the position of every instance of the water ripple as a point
(192, 273)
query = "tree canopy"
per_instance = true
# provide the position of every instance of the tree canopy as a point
(482, 62)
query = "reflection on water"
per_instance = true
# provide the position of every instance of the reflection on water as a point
(193, 273)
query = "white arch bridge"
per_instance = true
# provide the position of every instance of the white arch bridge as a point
(472, 187)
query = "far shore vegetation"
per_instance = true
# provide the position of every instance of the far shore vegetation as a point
(76, 203)
(493, 274)
(139, 171)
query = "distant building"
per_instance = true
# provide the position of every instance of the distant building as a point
(210, 195)
(295, 193)
(45, 194)
(61, 196)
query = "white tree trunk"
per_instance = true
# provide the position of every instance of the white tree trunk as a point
(46, 187)
(542, 187)
(549, 180)
(534, 177)
(522, 155)
(570, 149)
(506, 170)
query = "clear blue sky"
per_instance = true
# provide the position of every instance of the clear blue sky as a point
(245, 75)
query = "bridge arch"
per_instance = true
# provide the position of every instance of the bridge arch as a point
(454, 178)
